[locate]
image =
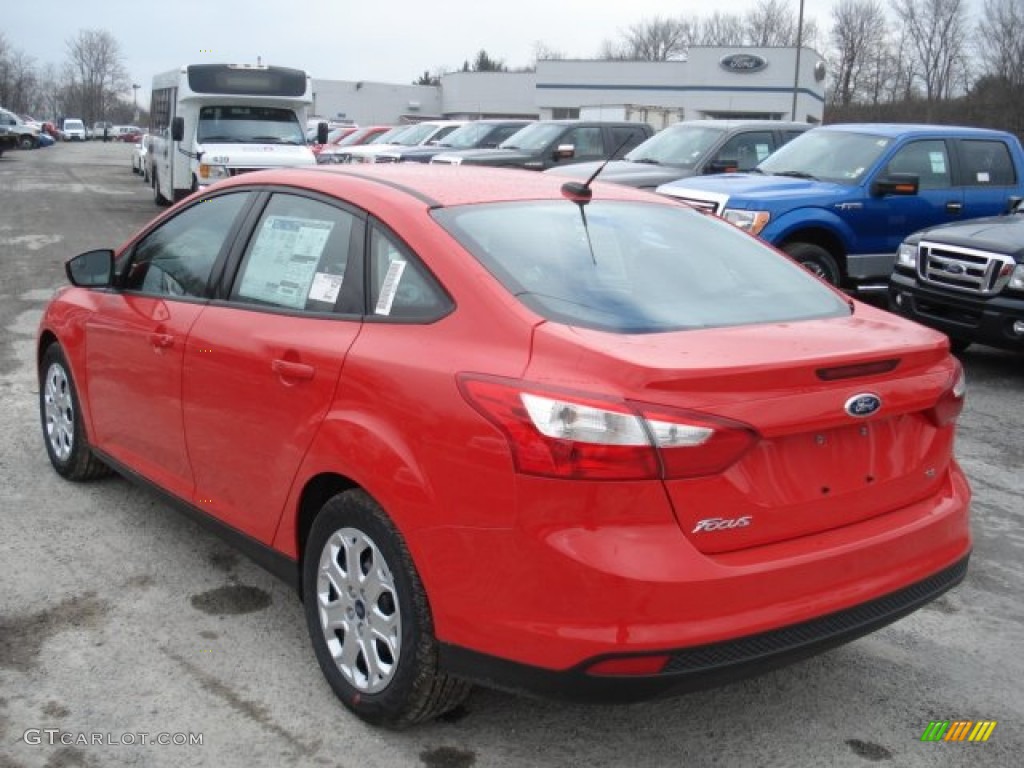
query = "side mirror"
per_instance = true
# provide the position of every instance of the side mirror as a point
(321, 133)
(895, 184)
(1013, 204)
(92, 269)
(564, 152)
(178, 129)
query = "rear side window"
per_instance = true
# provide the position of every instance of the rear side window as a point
(987, 164)
(297, 256)
(630, 267)
(400, 286)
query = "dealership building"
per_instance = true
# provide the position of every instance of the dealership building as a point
(711, 82)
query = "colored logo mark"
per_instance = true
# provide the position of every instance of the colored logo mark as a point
(958, 730)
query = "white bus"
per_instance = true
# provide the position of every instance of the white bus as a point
(212, 121)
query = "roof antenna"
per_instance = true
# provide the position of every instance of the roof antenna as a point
(581, 193)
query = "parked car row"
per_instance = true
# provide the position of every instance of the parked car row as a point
(17, 132)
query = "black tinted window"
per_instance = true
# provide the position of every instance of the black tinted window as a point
(177, 258)
(636, 267)
(400, 286)
(987, 163)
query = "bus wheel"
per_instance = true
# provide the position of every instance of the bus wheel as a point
(158, 197)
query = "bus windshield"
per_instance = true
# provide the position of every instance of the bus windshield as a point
(248, 125)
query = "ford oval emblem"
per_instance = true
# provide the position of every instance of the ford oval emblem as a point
(863, 405)
(743, 62)
(955, 269)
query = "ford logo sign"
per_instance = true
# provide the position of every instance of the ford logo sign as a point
(955, 269)
(863, 405)
(743, 62)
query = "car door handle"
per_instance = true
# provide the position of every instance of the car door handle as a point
(289, 370)
(161, 340)
(954, 207)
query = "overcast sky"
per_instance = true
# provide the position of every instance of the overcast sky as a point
(392, 41)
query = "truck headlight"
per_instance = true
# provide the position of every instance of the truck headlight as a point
(1017, 278)
(749, 221)
(906, 256)
(210, 173)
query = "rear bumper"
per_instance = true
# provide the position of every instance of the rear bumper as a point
(556, 594)
(706, 666)
(984, 320)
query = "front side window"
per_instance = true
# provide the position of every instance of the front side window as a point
(586, 142)
(927, 160)
(297, 256)
(177, 258)
(744, 151)
(628, 267)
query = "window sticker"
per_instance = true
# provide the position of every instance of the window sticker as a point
(983, 177)
(762, 151)
(390, 287)
(938, 161)
(325, 287)
(283, 260)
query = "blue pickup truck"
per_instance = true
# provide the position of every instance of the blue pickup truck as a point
(841, 198)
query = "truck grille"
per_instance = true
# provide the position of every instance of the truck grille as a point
(963, 269)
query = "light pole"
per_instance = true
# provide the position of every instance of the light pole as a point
(796, 71)
(135, 101)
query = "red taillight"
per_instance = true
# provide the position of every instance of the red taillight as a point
(951, 402)
(629, 665)
(557, 433)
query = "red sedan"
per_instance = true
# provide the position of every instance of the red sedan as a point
(584, 442)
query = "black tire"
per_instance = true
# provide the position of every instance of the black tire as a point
(60, 415)
(415, 689)
(956, 346)
(158, 198)
(26, 142)
(815, 260)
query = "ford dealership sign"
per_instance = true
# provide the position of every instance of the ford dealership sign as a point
(743, 62)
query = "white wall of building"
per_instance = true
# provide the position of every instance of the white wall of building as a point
(469, 95)
(367, 103)
(700, 86)
(703, 86)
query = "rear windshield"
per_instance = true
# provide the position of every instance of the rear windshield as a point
(632, 267)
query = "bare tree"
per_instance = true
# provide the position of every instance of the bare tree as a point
(773, 23)
(770, 23)
(17, 78)
(654, 39)
(721, 29)
(936, 32)
(858, 34)
(95, 73)
(1000, 40)
(542, 50)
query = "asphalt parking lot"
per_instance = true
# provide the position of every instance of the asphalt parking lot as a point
(121, 621)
